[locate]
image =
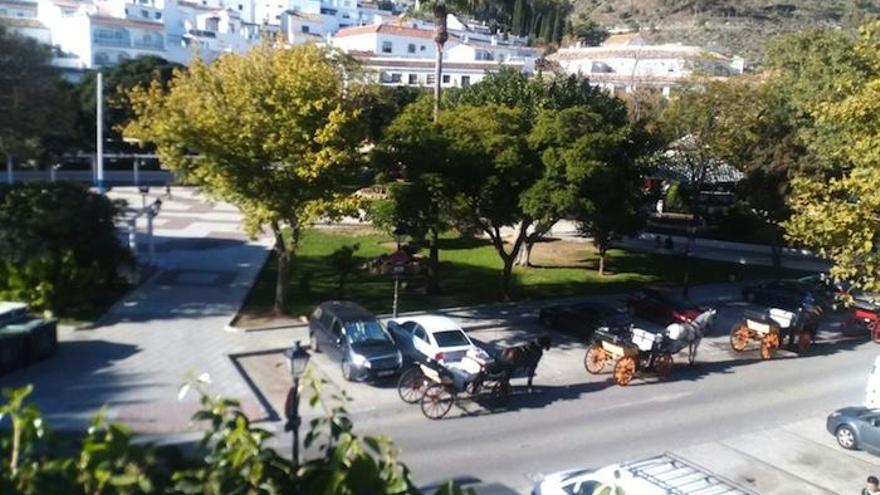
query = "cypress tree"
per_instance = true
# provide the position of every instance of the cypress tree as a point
(518, 25)
(547, 23)
(558, 26)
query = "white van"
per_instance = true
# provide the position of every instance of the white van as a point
(660, 475)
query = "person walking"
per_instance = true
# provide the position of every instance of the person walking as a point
(872, 486)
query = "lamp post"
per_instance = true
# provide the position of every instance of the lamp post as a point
(397, 267)
(297, 360)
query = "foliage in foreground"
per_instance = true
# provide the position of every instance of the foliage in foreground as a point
(234, 457)
(58, 246)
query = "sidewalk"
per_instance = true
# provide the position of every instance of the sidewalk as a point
(138, 354)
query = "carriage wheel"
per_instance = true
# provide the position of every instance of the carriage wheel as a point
(595, 359)
(740, 337)
(663, 365)
(769, 344)
(437, 400)
(411, 385)
(805, 339)
(625, 370)
(500, 393)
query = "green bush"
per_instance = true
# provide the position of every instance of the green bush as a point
(58, 246)
(233, 456)
(676, 199)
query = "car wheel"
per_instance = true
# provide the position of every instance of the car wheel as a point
(313, 342)
(846, 437)
(346, 370)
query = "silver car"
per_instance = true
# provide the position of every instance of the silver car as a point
(856, 428)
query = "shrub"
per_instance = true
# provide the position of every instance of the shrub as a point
(58, 246)
(676, 199)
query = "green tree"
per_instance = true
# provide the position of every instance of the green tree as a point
(588, 32)
(593, 164)
(519, 18)
(58, 246)
(412, 156)
(279, 144)
(35, 104)
(118, 81)
(491, 167)
(344, 262)
(836, 213)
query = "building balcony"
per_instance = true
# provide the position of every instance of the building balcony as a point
(112, 42)
(201, 33)
(157, 45)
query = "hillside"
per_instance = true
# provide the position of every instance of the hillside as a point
(740, 27)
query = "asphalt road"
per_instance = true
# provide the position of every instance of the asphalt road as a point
(573, 419)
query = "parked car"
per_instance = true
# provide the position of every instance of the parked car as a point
(660, 307)
(856, 428)
(660, 475)
(354, 337)
(583, 318)
(436, 337)
(787, 293)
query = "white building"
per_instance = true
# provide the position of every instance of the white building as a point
(625, 62)
(406, 55)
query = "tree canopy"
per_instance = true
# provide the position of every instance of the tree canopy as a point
(280, 144)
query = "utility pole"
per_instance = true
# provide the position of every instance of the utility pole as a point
(99, 138)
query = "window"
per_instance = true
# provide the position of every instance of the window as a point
(451, 338)
(431, 78)
(446, 79)
(420, 334)
(395, 77)
(240, 7)
(422, 48)
(465, 81)
(412, 79)
(336, 329)
(304, 29)
(346, 16)
(386, 47)
(157, 15)
(411, 48)
(145, 14)
(365, 332)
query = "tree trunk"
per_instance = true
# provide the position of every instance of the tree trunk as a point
(282, 280)
(525, 254)
(506, 275)
(602, 251)
(433, 262)
(441, 34)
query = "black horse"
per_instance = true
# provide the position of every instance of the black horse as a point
(526, 356)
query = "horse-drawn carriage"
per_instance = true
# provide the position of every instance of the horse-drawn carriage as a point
(771, 327)
(638, 350)
(437, 386)
(866, 316)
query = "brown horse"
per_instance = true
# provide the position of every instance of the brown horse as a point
(526, 356)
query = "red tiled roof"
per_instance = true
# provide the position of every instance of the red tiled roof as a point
(386, 29)
(116, 21)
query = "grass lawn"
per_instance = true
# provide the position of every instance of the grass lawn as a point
(470, 274)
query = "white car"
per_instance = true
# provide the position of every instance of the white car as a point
(660, 475)
(436, 337)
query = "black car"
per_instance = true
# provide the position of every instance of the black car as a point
(354, 337)
(856, 428)
(661, 307)
(583, 318)
(788, 294)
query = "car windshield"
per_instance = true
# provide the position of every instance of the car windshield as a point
(451, 338)
(365, 332)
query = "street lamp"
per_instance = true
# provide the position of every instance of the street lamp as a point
(399, 236)
(297, 360)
